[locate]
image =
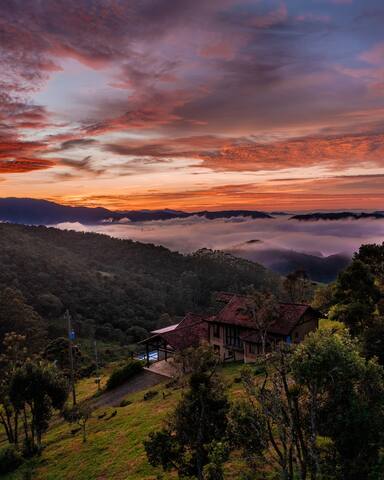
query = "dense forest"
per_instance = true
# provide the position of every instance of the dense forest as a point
(114, 289)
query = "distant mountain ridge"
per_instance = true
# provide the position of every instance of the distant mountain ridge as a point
(43, 212)
(337, 216)
(29, 211)
(283, 261)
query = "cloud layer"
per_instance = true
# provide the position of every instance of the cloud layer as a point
(189, 234)
(114, 98)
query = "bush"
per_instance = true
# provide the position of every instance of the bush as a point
(10, 459)
(125, 403)
(122, 374)
(150, 394)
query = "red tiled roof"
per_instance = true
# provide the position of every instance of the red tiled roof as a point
(235, 313)
(188, 333)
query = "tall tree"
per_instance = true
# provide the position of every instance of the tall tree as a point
(342, 394)
(36, 389)
(355, 297)
(190, 436)
(13, 356)
(372, 255)
(298, 287)
(16, 316)
(308, 400)
(264, 311)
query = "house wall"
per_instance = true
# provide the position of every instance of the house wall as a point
(308, 324)
(252, 351)
(223, 351)
(249, 355)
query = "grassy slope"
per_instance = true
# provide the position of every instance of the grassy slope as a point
(115, 447)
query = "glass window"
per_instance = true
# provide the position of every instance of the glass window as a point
(232, 337)
(216, 330)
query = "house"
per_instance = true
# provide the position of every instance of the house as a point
(233, 334)
(232, 331)
(190, 332)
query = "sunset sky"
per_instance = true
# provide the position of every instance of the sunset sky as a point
(193, 104)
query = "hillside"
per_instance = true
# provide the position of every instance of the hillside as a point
(114, 450)
(111, 285)
(283, 261)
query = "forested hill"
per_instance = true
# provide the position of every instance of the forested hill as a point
(115, 286)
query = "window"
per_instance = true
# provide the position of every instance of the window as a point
(232, 337)
(252, 348)
(216, 330)
(216, 350)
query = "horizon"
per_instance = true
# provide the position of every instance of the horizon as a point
(275, 212)
(220, 105)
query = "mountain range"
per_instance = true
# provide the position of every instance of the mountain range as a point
(42, 212)
(311, 217)
(31, 211)
(283, 261)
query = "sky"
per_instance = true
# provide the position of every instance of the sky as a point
(203, 104)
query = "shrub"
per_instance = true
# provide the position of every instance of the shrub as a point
(10, 459)
(125, 403)
(122, 374)
(150, 394)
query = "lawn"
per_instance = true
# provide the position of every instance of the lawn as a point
(115, 447)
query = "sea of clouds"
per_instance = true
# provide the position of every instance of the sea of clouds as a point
(189, 234)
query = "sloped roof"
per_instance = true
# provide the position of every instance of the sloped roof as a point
(235, 313)
(188, 333)
(165, 329)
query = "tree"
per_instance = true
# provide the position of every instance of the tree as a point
(247, 431)
(267, 424)
(13, 356)
(79, 414)
(189, 440)
(16, 316)
(343, 395)
(298, 286)
(323, 298)
(372, 255)
(355, 297)
(372, 340)
(49, 305)
(57, 351)
(36, 389)
(313, 409)
(264, 311)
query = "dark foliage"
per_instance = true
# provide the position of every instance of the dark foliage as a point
(122, 374)
(111, 285)
(18, 317)
(189, 441)
(37, 389)
(10, 459)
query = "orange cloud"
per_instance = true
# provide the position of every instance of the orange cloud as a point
(242, 154)
(353, 192)
(24, 165)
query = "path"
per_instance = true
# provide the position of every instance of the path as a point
(141, 381)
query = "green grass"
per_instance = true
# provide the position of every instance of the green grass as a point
(115, 447)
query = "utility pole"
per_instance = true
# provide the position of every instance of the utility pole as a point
(71, 336)
(97, 367)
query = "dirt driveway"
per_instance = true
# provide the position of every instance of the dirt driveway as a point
(141, 381)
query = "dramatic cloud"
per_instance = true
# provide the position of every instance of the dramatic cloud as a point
(118, 98)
